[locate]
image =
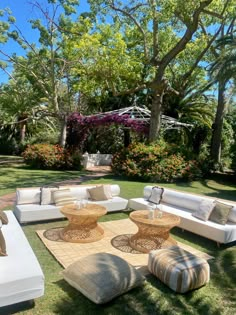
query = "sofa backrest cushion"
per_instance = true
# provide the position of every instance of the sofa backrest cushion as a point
(181, 200)
(28, 196)
(80, 191)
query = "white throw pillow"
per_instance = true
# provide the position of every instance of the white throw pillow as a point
(204, 210)
(47, 196)
(156, 195)
(63, 197)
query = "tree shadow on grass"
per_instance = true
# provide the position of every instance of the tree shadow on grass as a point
(153, 297)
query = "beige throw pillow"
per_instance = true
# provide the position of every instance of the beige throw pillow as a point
(100, 193)
(47, 195)
(3, 217)
(63, 197)
(204, 210)
(3, 251)
(102, 277)
(220, 213)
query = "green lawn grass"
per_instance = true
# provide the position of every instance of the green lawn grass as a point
(218, 297)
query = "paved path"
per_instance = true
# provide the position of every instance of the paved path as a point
(96, 172)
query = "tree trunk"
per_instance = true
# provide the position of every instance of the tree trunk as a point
(63, 131)
(155, 119)
(22, 132)
(218, 124)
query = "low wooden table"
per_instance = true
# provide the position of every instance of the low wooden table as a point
(152, 233)
(83, 226)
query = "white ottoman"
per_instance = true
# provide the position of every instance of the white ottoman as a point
(179, 269)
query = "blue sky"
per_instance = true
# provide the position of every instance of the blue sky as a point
(24, 11)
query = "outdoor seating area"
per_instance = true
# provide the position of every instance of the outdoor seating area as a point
(195, 211)
(106, 253)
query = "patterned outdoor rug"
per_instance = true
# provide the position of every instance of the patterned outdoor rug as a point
(115, 241)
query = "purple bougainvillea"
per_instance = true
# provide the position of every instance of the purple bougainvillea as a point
(78, 125)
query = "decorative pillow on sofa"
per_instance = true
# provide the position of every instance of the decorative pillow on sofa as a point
(63, 197)
(156, 195)
(220, 213)
(99, 193)
(47, 196)
(3, 217)
(232, 215)
(3, 251)
(102, 277)
(204, 210)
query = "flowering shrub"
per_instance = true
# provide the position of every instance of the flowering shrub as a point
(48, 156)
(79, 126)
(154, 163)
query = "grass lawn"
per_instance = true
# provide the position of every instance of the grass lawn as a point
(218, 297)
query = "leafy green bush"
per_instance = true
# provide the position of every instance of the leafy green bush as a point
(48, 156)
(154, 163)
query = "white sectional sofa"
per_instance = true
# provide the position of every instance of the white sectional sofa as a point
(21, 277)
(29, 207)
(184, 204)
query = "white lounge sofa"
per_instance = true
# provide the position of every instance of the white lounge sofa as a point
(28, 207)
(21, 276)
(183, 204)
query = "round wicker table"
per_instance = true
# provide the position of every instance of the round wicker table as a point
(152, 233)
(83, 226)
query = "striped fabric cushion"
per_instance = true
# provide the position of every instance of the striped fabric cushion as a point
(63, 197)
(179, 269)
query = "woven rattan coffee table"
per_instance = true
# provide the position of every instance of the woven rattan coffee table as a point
(83, 226)
(152, 233)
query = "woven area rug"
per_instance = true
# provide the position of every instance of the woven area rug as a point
(115, 241)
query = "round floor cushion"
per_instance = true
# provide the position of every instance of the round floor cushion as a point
(177, 268)
(102, 276)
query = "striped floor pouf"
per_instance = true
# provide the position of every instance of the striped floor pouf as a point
(179, 269)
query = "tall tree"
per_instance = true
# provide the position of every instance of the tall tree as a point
(160, 32)
(222, 71)
(45, 65)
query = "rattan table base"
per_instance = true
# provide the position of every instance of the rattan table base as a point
(83, 226)
(152, 233)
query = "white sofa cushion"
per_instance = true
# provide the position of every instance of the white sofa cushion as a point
(79, 192)
(182, 200)
(32, 213)
(28, 196)
(114, 204)
(21, 277)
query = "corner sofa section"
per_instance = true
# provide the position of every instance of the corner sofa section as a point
(28, 207)
(184, 204)
(21, 277)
